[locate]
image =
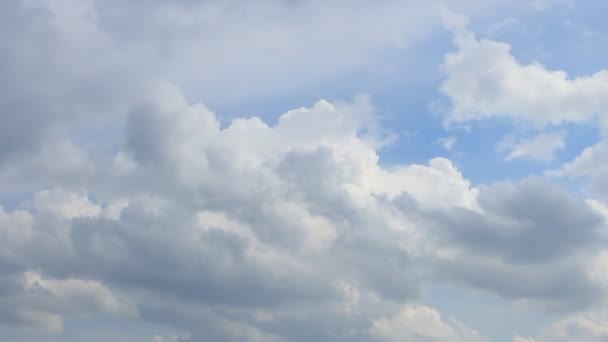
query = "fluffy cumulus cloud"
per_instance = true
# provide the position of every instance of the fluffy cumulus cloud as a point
(296, 220)
(484, 80)
(255, 229)
(291, 231)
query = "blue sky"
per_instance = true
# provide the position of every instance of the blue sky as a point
(303, 171)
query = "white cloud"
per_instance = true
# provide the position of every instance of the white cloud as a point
(250, 230)
(484, 80)
(541, 147)
(600, 207)
(201, 45)
(447, 142)
(587, 326)
(85, 293)
(46, 322)
(542, 5)
(65, 204)
(523, 339)
(422, 323)
(298, 216)
(592, 165)
(37, 302)
(223, 209)
(158, 338)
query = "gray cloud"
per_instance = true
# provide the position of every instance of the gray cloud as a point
(530, 243)
(533, 221)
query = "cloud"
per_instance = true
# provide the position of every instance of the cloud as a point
(541, 147)
(598, 206)
(238, 220)
(56, 107)
(33, 301)
(263, 232)
(78, 293)
(587, 326)
(45, 85)
(249, 230)
(484, 80)
(48, 323)
(447, 142)
(591, 165)
(522, 339)
(518, 216)
(66, 204)
(530, 230)
(543, 5)
(422, 323)
(48, 90)
(200, 45)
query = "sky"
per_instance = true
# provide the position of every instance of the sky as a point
(286, 170)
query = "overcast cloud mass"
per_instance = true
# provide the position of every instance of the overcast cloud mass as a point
(190, 171)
